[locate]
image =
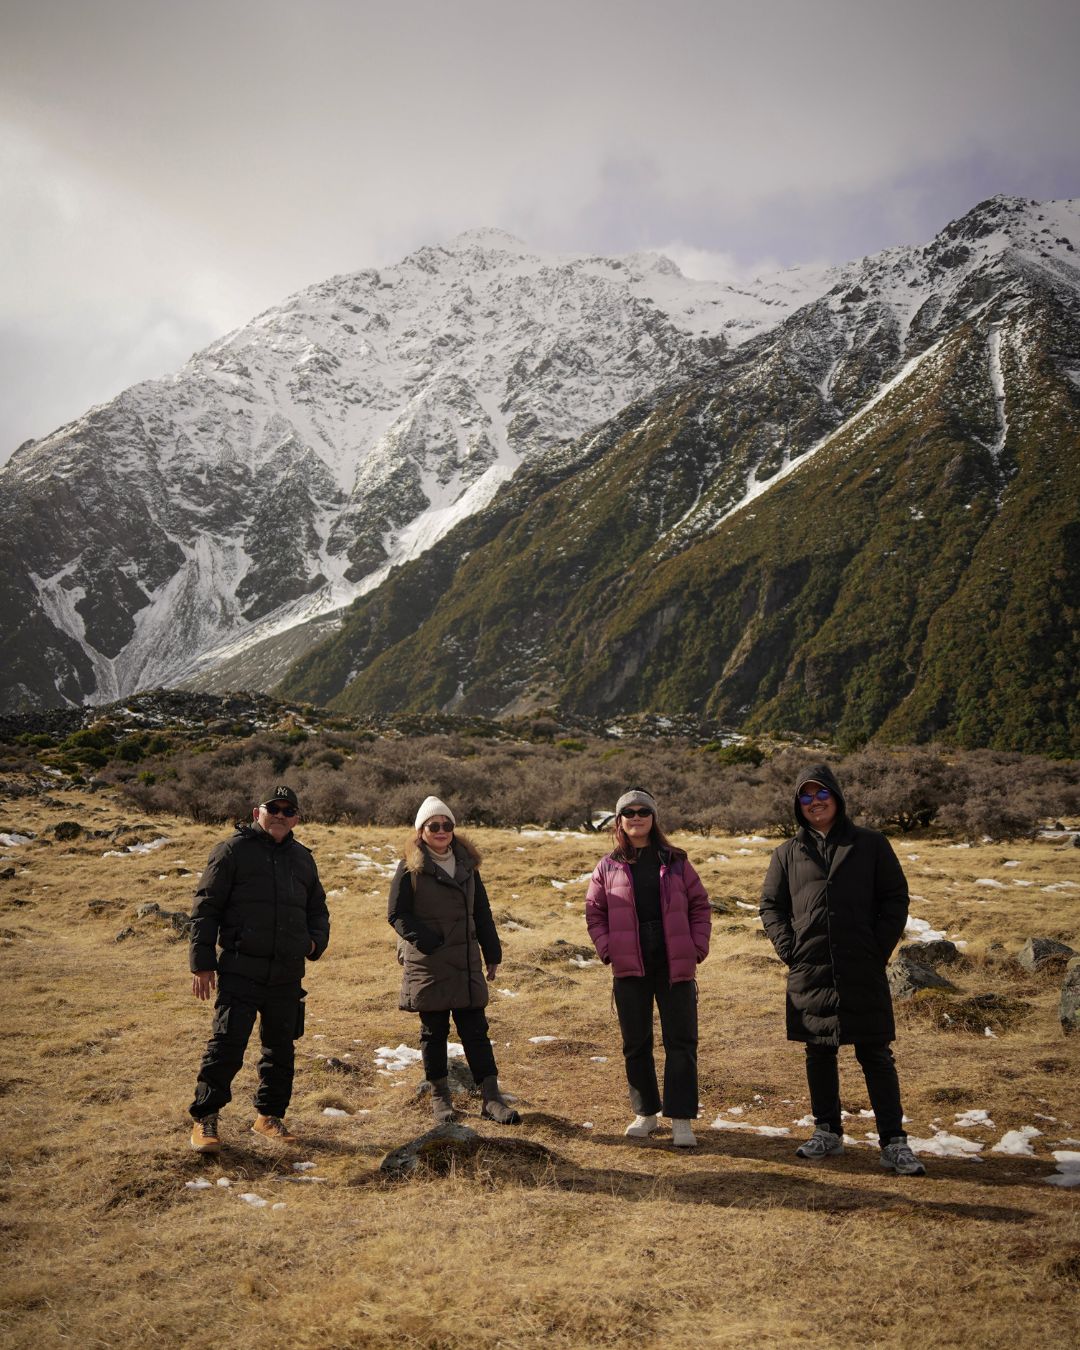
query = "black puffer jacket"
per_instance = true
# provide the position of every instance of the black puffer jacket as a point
(834, 924)
(446, 929)
(263, 904)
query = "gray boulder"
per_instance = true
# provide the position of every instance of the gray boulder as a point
(940, 952)
(439, 1144)
(907, 976)
(1043, 953)
(175, 918)
(1070, 998)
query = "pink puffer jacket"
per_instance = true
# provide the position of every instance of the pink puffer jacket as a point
(611, 916)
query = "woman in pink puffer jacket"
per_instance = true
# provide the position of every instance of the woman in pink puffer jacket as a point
(648, 916)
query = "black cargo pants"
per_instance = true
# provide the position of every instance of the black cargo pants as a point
(280, 1010)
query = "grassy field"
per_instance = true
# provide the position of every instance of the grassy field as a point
(590, 1239)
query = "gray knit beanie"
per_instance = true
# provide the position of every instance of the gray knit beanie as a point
(637, 797)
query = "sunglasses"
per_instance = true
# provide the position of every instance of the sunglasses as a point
(439, 827)
(279, 809)
(634, 812)
(821, 795)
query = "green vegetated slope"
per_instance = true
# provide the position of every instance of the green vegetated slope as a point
(914, 577)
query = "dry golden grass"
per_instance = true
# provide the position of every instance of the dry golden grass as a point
(600, 1241)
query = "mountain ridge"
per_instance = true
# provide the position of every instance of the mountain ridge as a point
(987, 407)
(289, 462)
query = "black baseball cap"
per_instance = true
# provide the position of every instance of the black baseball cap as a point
(281, 794)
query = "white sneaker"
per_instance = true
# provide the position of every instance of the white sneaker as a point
(641, 1127)
(682, 1135)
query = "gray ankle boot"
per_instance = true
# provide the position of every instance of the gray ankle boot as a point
(494, 1108)
(442, 1104)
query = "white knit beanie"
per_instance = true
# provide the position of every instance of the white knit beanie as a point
(431, 806)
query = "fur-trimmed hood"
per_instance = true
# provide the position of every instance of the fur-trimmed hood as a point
(465, 850)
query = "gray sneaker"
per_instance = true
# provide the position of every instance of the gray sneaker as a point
(897, 1157)
(821, 1144)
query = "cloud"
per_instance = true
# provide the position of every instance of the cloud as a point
(173, 169)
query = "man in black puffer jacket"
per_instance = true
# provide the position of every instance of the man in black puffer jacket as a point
(834, 905)
(261, 902)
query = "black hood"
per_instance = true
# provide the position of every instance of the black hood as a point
(819, 773)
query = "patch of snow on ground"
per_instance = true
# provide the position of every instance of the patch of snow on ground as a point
(393, 1061)
(918, 930)
(1068, 1168)
(945, 1145)
(136, 848)
(542, 1040)
(334, 1111)
(367, 864)
(965, 1120)
(199, 1184)
(14, 840)
(250, 1198)
(721, 1124)
(574, 881)
(508, 993)
(989, 881)
(1017, 1142)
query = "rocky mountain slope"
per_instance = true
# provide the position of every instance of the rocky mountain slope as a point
(285, 468)
(864, 521)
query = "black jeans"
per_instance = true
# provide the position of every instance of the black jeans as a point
(280, 1010)
(634, 997)
(472, 1027)
(882, 1085)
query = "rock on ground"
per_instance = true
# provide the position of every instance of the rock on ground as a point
(1039, 953)
(1070, 998)
(907, 976)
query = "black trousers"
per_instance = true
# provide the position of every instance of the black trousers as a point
(677, 1003)
(280, 1010)
(882, 1085)
(472, 1026)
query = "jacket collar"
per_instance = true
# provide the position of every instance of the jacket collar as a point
(842, 836)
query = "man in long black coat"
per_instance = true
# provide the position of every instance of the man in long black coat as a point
(834, 905)
(259, 913)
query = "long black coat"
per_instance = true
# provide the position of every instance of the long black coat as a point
(262, 903)
(835, 927)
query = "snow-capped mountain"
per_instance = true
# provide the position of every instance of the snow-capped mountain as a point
(287, 467)
(862, 521)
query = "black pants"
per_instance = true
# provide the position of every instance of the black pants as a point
(472, 1027)
(882, 1085)
(280, 1010)
(634, 997)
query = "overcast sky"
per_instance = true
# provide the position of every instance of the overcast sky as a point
(168, 168)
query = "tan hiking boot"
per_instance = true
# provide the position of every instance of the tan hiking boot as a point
(204, 1135)
(273, 1127)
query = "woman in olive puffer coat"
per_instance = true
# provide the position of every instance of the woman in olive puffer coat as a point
(449, 950)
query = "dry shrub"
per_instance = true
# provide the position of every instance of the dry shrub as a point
(490, 781)
(999, 1012)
